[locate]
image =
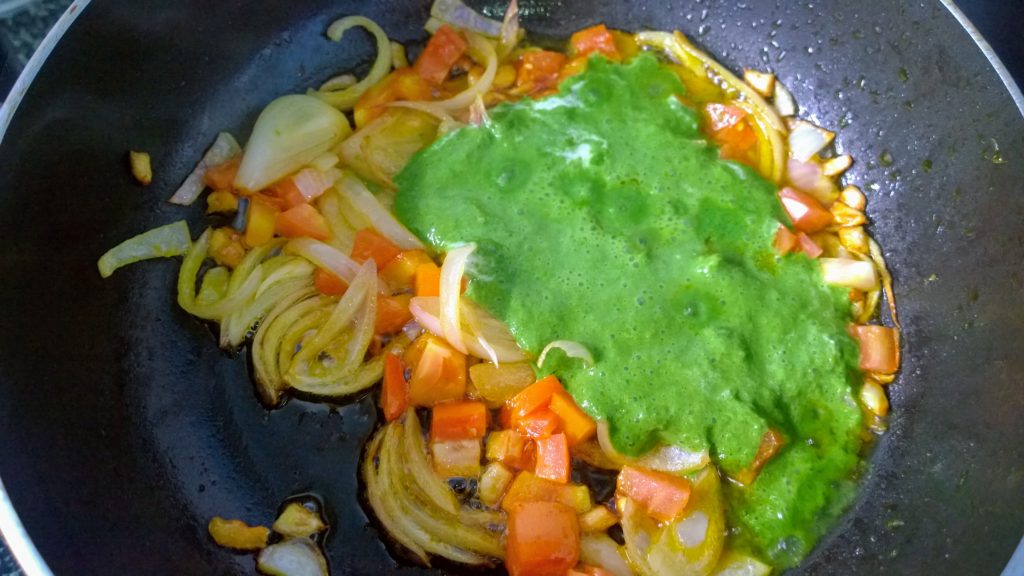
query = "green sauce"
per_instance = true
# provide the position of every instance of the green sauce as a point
(603, 216)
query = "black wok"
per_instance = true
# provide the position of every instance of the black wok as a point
(123, 428)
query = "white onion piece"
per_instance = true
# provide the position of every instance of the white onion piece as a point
(478, 112)
(312, 182)
(806, 140)
(859, 274)
(426, 107)
(291, 132)
(598, 549)
(571, 349)
(346, 98)
(339, 82)
(692, 530)
(462, 16)
(224, 148)
(293, 557)
(665, 458)
(426, 311)
(510, 32)
(785, 105)
(734, 563)
(325, 256)
(451, 293)
(359, 196)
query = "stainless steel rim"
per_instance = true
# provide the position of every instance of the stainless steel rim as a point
(11, 528)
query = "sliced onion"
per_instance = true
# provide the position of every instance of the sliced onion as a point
(883, 270)
(451, 293)
(292, 557)
(343, 233)
(785, 105)
(598, 549)
(398, 58)
(762, 82)
(483, 50)
(224, 148)
(571, 349)
(162, 242)
(346, 98)
(325, 256)
(808, 177)
(806, 140)
(510, 32)
(735, 563)
(339, 82)
(462, 16)
(859, 274)
(426, 311)
(359, 196)
(665, 458)
(478, 112)
(290, 132)
(312, 182)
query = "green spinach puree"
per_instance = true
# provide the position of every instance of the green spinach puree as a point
(603, 216)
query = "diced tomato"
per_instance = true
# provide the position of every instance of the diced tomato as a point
(328, 283)
(729, 127)
(577, 424)
(595, 39)
(785, 241)
(879, 351)
(807, 214)
(222, 176)
(302, 221)
(538, 424)
(287, 192)
(394, 392)
(534, 397)
(443, 49)
(370, 244)
(664, 496)
(527, 487)
(539, 70)
(543, 539)
(575, 66)
(439, 372)
(428, 280)
(260, 222)
(808, 246)
(392, 313)
(400, 273)
(458, 421)
(771, 442)
(553, 460)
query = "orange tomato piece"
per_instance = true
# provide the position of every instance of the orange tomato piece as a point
(302, 221)
(543, 539)
(528, 487)
(771, 442)
(577, 424)
(458, 421)
(785, 241)
(428, 280)
(553, 461)
(287, 192)
(664, 496)
(808, 246)
(394, 392)
(595, 39)
(539, 70)
(807, 214)
(439, 373)
(443, 50)
(878, 348)
(542, 423)
(392, 313)
(369, 244)
(328, 283)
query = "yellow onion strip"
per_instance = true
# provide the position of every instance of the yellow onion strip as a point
(485, 336)
(571, 349)
(481, 50)
(346, 98)
(416, 507)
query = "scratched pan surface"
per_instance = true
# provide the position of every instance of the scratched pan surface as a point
(123, 428)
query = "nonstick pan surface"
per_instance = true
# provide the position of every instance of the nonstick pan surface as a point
(123, 428)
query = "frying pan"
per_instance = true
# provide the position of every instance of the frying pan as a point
(123, 428)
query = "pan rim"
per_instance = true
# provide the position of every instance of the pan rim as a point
(13, 532)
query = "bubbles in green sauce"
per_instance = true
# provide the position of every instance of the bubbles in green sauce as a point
(603, 216)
